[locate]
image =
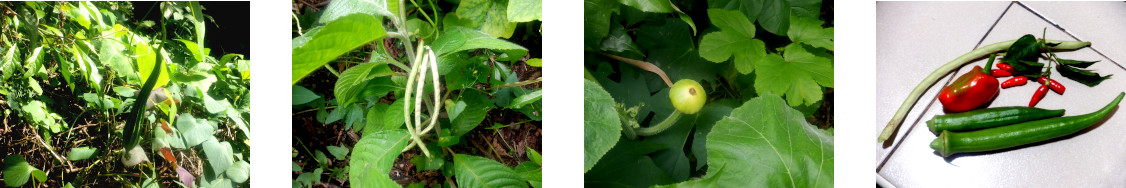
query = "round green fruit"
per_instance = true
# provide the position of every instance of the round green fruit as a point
(688, 96)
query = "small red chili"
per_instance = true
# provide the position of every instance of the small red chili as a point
(969, 91)
(1001, 73)
(1040, 92)
(1015, 81)
(1006, 67)
(1055, 86)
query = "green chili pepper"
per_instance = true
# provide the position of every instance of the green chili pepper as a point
(988, 118)
(949, 143)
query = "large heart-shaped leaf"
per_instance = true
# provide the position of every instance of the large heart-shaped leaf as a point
(474, 171)
(218, 155)
(193, 132)
(332, 40)
(601, 124)
(373, 156)
(765, 143)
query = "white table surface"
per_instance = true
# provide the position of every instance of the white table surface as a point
(914, 38)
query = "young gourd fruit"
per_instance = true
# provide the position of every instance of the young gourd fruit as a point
(687, 96)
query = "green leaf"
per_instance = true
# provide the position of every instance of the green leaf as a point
(1076, 63)
(805, 8)
(772, 145)
(352, 81)
(477, 107)
(749, 8)
(775, 16)
(526, 99)
(457, 39)
(799, 76)
(601, 124)
(111, 53)
(239, 172)
(596, 21)
(35, 110)
(628, 157)
(17, 171)
(474, 171)
(393, 117)
(489, 16)
(9, 62)
(146, 60)
(341, 153)
(302, 95)
(620, 42)
(735, 38)
(454, 109)
(1024, 50)
(524, 10)
(535, 62)
(335, 39)
(218, 155)
(809, 31)
(373, 156)
(342, 8)
(81, 153)
(375, 118)
(658, 6)
(192, 47)
(418, 28)
(1082, 76)
(530, 172)
(535, 156)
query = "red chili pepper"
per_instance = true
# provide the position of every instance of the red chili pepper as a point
(971, 90)
(1015, 81)
(1006, 67)
(1001, 73)
(1055, 86)
(1040, 92)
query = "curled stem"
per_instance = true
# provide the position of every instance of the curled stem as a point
(949, 67)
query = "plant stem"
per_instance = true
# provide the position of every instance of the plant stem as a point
(668, 122)
(517, 84)
(644, 66)
(333, 71)
(949, 67)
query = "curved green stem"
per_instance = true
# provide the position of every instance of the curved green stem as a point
(950, 67)
(668, 122)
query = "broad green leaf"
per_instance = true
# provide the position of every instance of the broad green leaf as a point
(335, 39)
(658, 6)
(1082, 76)
(352, 81)
(720, 46)
(772, 145)
(474, 171)
(35, 110)
(393, 117)
(672, 158)
(535, 62)
(1025, 49)
(799, 76)
(374, 119)
(601, 124)
(524, 10)
(809, 31)
(596, 21)
(735, 38)
(488, 16)
(526, 99)
(192, 132)
(341, 8)
(218, 155)
(81, 153)
(628, 157)
(302, 95)
(530, 172)
(17, 171)
(454, 109)
(146, 60)
(341, 153)
(9, 63)
(373, 156)
(749, 8)
(192, 47)
(775, 16)
(709, 181)
(672, 48)
(535, 156)
(456, 39)
(419, 28)
(111, 54)
(34, 86)
(477, 107)
(805, 8)
(620, 42)
(239, 172)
